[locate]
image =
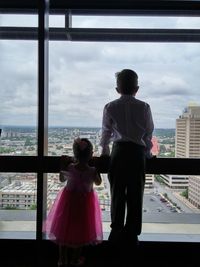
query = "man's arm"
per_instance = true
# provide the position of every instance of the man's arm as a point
(106, 132)
(149, 132)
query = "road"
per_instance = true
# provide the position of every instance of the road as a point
(164, 189)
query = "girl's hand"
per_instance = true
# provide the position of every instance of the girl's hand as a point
(63, 176)
(65, 161)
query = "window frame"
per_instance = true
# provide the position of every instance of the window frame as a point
(41, 164)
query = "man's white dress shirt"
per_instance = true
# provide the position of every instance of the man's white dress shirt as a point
(127, 119)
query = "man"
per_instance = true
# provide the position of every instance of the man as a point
(128, 123)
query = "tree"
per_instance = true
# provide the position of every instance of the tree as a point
(28, 142)
(33, 207)
(165, 195)
(185, 193)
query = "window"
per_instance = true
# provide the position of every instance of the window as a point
(162, 58)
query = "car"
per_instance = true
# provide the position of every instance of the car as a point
(163, 199)
(159, 209)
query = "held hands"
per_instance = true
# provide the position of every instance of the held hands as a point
(65, 161)
(104, 156)
(104, 161)
(152, 157)
(149, 155)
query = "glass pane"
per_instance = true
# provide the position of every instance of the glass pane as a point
(171, 209)
(57, 21)
(18, 94)
(18, 141)
(82, 81)
(151, 22)
(18, 20)
(18, 194)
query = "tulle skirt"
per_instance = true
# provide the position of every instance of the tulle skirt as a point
(74, 219)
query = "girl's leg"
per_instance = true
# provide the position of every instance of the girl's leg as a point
(61, 258)
(64, 256)
(77, 259)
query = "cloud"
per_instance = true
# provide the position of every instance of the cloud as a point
(187, 22)
(171, 85)
(128, 22)
(82, 79)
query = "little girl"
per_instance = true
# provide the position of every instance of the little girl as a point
(75, 217)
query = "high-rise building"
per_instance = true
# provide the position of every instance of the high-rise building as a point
(188, 133)
(188, 145)
(194, 191)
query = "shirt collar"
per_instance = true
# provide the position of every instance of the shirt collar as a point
(127, 97)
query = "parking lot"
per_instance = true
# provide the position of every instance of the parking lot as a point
(157, 203)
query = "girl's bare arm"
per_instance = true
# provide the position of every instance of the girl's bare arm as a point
(64, 163)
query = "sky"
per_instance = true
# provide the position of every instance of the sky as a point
(82, 74)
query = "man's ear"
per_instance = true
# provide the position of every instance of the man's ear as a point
(117, 89)
(136, 89)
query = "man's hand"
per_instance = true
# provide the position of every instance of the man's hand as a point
(104, 156)
(152, 157)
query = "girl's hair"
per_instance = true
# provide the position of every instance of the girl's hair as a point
(127, 80)
(82, 148)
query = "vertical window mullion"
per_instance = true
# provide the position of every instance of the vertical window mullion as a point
(43, 39)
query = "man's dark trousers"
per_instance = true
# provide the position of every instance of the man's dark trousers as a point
(127, 178)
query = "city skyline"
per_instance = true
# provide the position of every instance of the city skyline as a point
(65, 126)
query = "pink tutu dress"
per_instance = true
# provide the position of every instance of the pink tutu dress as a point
(75, 217)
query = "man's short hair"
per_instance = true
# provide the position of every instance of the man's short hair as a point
(127, 81)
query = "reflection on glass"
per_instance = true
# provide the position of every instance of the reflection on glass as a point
(18, 194)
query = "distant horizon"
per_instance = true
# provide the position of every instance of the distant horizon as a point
(63, 126)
